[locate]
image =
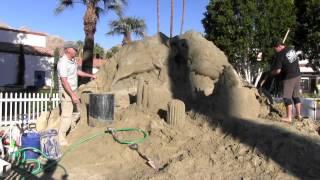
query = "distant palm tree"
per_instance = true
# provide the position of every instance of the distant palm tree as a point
(183, 14)
(127, 25)
(93, 11)
(171, 18)
(158, 15)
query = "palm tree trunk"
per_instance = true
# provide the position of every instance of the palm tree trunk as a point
(171, 18)
(89, 22)
(183, 14)
(127, 38)
(158, 15)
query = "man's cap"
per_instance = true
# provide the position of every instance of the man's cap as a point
(276, 42)
(71, 44)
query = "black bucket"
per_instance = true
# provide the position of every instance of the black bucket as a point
(101, 109)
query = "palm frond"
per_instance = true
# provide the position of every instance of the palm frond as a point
(116, 6)
(62, 5)
(99, 11)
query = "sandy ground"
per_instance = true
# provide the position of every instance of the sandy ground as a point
(204, 148)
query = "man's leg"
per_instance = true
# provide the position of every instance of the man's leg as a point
(289, 113)
(66, 117)
(297, 105)
(75, 117)
(288, 104)
(288, 86)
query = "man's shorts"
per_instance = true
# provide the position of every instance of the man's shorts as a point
(291, 87)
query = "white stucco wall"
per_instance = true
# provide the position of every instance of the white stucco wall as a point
(22, 38)
(9, 64)
(37, 63)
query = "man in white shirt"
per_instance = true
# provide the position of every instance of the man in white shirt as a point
(68, 73)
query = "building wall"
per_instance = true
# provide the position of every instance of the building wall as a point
(37, 63)
(9, 65)
(22, 38)
(8, 68)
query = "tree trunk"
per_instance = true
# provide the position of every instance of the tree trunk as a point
(158, 15)
(171, 18)
(87, 56)
(183, 14)
(89, 22)
(126, 38)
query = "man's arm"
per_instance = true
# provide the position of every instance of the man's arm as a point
(276, 69)
(68, 89)
(84, 74)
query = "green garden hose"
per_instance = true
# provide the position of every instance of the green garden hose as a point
(111, 131)
(134, 141)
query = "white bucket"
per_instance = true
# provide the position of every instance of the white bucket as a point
(310, 108)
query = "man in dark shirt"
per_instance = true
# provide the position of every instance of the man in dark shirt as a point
(287, 64)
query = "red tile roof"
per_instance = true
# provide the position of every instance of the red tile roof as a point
(96, 62)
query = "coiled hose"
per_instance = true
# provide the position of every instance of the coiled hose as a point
(19, 155)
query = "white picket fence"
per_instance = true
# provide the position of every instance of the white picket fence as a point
(21, 107)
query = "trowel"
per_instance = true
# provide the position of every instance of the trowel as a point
(149, 161)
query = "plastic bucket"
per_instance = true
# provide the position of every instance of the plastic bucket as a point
(101, 109)
(30, 139)
(310, 108)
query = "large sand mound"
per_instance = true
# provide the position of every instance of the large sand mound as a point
(221, 137)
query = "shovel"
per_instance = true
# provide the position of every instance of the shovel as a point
(149, 161)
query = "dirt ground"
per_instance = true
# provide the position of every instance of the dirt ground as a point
(229, 132)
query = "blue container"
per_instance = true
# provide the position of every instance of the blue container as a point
(30, 139)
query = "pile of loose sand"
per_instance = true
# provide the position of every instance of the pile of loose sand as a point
(222, 136)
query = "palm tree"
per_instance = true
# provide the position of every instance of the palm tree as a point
(171, 18)
(126, 26)
(94, 9)
(158, 15)
(183, 14)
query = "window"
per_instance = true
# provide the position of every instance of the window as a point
(39, 78)
(305, 84)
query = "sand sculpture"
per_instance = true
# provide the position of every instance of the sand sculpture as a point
(221, 136)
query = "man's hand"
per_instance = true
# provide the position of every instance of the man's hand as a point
(93, 77)
(75, 99)
(84, 74)
(276, 72)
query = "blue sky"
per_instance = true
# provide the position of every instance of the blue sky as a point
(38, 15)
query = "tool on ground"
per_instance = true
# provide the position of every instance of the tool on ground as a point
(150, 162)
